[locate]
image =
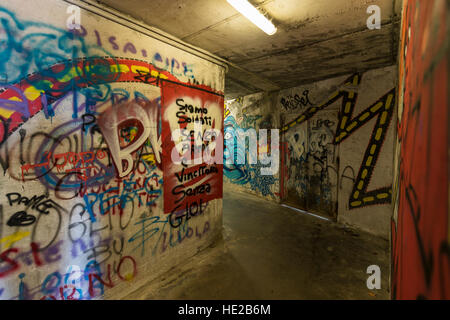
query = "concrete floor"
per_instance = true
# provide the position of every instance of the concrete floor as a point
(273, 252)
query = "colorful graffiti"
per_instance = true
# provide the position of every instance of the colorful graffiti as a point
(382, 110)
(421, 221)
(236, 169)
(86, 140)
(191, 183)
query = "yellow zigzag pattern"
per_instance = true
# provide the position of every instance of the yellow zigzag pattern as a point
(383, 108)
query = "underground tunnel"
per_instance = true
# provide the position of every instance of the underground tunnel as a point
(224, 150)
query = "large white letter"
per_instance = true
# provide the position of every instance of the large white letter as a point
(252, 146)
(374, 21)
(374, 281)
(73, 22)
(274, 157)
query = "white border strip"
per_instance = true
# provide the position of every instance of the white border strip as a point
(305, 212)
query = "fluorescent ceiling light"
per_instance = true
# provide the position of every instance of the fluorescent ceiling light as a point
(252, 14)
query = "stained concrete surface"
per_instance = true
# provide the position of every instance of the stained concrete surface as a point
(272, 252)
(316, 39)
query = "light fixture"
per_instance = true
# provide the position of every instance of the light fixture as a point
(252, 14)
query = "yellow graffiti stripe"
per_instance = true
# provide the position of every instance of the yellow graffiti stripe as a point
(73, 73)
(343, 121)
(8, 113)
(144, 71)
(364, 173)
(351, 126)
(348, 107)
(365, 116)
(389, 101)
(342, 135)
(379, 108)
(373, 148)
(376, 107)
(382, 195)
(310, 112)
(116, 68)
(137, 69)
(32, 93)
(301, 119)
(383, 117)
(360, 184)
(122, 68)
(379, 133)
(150, 158)
(356, 203)
(9, 240)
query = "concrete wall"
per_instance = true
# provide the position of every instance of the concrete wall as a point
(336, 147)
(91, 204)
(421, 220)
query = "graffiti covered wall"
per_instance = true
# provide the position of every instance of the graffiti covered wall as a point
(337, 147)
(252, 112)
(421, 224)
(309, 156)
(92, 201)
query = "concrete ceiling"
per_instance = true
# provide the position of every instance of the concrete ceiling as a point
(316, 39)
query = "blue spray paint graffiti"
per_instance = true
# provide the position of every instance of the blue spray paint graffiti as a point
(32, 48)
(234, 168)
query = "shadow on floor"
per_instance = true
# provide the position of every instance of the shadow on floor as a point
(273, 252)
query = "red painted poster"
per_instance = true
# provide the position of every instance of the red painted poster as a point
(192, 142)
